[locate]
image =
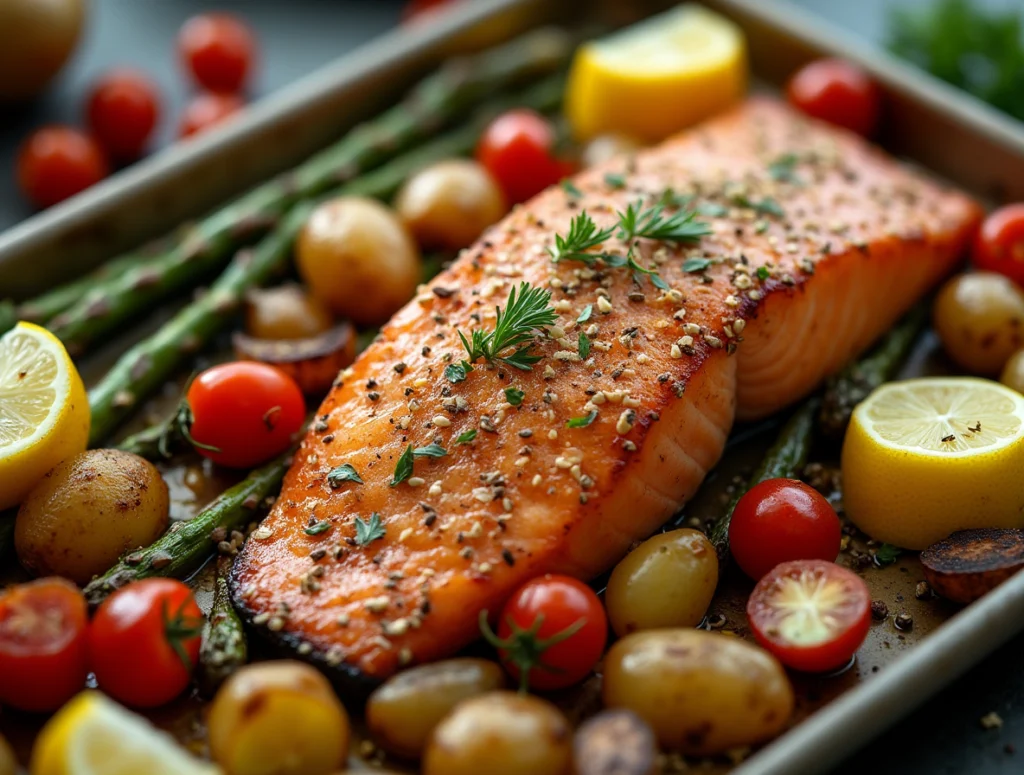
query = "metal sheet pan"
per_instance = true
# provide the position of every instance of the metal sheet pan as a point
(927, 122)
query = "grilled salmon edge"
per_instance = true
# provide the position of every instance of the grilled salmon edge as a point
(801, 331)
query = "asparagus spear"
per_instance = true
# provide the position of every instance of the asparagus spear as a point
(187, 545)
(224, 649)
(440, 99)
(146, 366)
(785, 458)
(852, 385)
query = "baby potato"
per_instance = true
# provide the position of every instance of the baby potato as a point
(357, 256)
(403, 711)
(1013, 372)
(501, 733)
(278, 718)
(667, 581)
(88, 511)
(285, 312)
(450, 203)
(702, 693)
(980, 319)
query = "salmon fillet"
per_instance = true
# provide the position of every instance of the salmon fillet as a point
(820, 242)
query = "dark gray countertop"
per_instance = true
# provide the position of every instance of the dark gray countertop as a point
(299, 35)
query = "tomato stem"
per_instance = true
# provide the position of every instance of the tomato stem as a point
(179, 628)
(523, 648)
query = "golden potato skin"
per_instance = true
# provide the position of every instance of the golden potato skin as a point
(278, 718)
(702, 692)
(285, 312)
(450, 203)
(501, 733)
(8, 764)
(1013, 372)
(88, 511)
(667, 581)
(404, 710)
(980, 319)
(357, 256)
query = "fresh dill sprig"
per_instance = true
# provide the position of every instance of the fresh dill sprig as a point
(527, 311)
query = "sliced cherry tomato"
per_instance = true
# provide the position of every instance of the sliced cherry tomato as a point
(57, 162)
(207, 110)
(517, 148)
(999, 246)
(244, 413)
(781, 520)
(43, 649)
(811, 614)
(416, 10)
(123, 110)
(551, 633)
(219, 50)
(144, 642)
(836, 91)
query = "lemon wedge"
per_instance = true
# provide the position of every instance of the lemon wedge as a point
(657, 77)
(93, 735)
(926, 457)
(44, 410)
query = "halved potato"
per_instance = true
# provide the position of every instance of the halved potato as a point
(970, 563)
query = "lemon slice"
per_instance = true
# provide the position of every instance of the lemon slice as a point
(926, 457)
(657, 77)
(44, 410)
(93, 735)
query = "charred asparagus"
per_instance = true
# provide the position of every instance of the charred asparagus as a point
(223, 649)
(145, 367)
(854, 383)
(187, 545)
(439, 100)
(786, 458)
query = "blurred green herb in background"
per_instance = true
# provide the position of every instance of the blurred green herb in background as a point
(979, 50)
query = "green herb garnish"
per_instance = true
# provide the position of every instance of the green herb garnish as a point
(526, 312)
(514, 396)
(712, 210)
(783, 169)
(582, 422)
(403, 468)
(369, 531)
(585, 314)
(431, 450)
(696, 264)
(886, 554)
(584, 346)
(456, 372)
(615, 181)
(317, 528)
(465, 438)
(763, 273)
(766, 206)
(571, 190)
(343, 473)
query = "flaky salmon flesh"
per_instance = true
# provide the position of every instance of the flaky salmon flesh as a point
(819, 243)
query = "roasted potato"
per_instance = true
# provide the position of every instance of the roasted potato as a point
(403, 712)
(667, 581)
(970, 563)
(501, 733)
(980, 319)
(702, 693)
(449, 204)
(278, 718)
(313, 363)
(1013, 372)
(615, 742)
(88, 511)
(357, 256)
(285, 312)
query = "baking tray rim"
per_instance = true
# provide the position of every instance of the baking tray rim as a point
(851, 720)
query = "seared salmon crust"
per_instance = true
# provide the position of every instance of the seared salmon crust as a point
(819, 243)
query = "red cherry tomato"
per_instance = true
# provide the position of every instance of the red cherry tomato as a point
(43, 650)
(207, 110)
(781, 520)
(836, 91)
(999, 246)
(416, 10)
(144, 642)
(122, 111)
(218, 50)
(517, 149)
(811, 614)
(57, 162)
(244, 413)
(551, 633)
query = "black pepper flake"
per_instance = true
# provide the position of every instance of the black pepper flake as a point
(373, 396)
(328, 438)
(506, 555)
(425, 351)
(430, 519)
(664, 377)
(678, 388)
(443, 293)
(371, 384)
(525, 433)
(399, 367)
